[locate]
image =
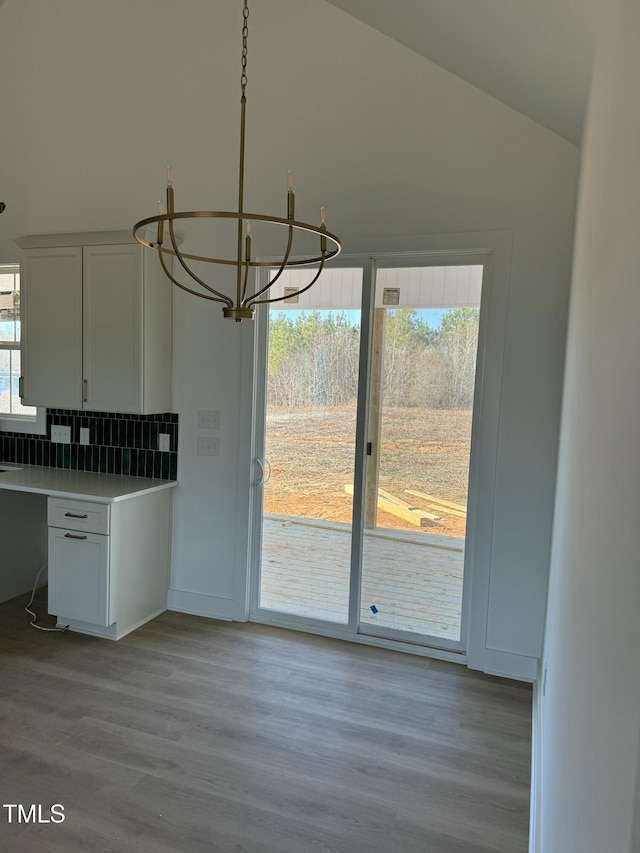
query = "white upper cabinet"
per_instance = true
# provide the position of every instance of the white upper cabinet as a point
(113, 329)
(96, 328)
(51, 317)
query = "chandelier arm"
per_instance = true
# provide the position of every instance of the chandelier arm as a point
(221, 296)
(179, 284)
(280, 271)
(296, 293)
(253, 217)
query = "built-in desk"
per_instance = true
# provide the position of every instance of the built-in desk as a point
(104, 537)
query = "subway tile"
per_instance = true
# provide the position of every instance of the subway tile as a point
(119, 443)
(173, 466)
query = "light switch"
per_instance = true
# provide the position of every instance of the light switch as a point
(208, 419)
(164, 441)
(208, 445)
(61, 434)
(84, 435)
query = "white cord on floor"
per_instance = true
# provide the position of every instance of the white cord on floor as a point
(64, 630)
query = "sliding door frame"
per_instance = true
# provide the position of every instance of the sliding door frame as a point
(406, 260)
(493, 250)
(256, 614)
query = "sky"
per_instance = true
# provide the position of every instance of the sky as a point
(431, 316)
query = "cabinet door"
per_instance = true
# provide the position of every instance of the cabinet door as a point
(79, 576)
(51, 308)
(113, 333)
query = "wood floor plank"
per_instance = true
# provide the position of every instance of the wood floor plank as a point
(194, 735)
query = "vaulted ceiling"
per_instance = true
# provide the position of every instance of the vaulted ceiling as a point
(534, 56)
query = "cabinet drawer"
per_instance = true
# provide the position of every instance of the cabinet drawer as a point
(78, 515)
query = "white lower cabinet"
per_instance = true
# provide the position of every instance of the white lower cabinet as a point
(108, 562)
(79, 576)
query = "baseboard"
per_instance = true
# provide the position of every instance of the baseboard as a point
(535, 840)
(505, 664)
(198, 604)
(75, 625)
(109, 633)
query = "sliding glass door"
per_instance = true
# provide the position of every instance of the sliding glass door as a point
(310, 407)
(421, 391)
(364, 420)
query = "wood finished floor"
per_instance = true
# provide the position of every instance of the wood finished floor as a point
(194, 735)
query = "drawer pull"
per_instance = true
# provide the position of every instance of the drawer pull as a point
(73, 536)
(75, 515)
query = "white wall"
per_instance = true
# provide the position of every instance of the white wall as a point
(590, 715)
(104, 95)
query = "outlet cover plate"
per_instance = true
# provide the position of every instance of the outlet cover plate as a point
(164, 442)
(84, 435)
(61, 434)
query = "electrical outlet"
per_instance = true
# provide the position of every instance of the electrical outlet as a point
(84, 435)
(61, 434)
(208, 445)
(164, 442)
(208, 419)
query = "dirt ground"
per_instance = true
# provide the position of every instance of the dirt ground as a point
(311, 454)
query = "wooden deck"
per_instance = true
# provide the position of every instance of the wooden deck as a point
(413, 580)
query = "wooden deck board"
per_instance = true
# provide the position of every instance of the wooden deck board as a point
(415, 582)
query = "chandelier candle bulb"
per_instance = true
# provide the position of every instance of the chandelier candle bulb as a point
(247, 247)
(160, 223)
(291, 198)
(291, 204)
(243, 307)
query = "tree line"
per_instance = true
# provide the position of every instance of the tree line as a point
(314, 356)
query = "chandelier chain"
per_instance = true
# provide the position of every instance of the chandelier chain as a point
(245, 34)
(245, 260)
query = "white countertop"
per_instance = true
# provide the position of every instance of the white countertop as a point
(64, 483)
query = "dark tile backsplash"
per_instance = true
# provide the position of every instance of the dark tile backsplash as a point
(118, 444)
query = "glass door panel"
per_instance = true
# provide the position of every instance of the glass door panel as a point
(311, 399)
(422, 375)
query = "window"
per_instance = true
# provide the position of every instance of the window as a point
(14, 416)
